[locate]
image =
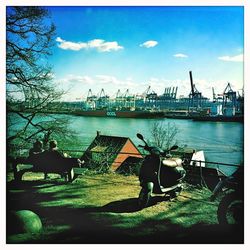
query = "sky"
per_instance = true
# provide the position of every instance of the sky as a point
(137, 47)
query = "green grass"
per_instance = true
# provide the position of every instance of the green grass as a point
(103, 209)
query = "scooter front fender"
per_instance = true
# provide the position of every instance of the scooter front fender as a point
(148, 187)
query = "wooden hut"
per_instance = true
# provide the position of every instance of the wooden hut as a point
(111, 151)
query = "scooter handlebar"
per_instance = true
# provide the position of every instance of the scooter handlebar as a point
(168, 155)
(145, 147)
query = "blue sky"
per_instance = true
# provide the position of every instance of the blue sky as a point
(136, 47)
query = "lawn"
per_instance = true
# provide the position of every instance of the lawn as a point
(103, 209)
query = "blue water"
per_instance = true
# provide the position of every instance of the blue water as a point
(221, 141)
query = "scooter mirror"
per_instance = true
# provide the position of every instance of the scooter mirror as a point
(140, 136)
(174, 147)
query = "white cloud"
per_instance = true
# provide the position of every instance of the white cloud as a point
(149, 44)
(66, 45)
(69, 79)
(98, 44)
(106, 79)
(103, 46)
(95, 43)
(59, 39)
(180, 55)
(238, 58)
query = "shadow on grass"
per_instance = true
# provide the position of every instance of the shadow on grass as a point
(35, 184)
(63, 223)
(129, 205)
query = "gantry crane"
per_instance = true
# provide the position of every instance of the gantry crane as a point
(195, 97)
(229, 97)
(91, 97)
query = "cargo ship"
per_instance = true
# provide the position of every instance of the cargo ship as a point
(177, 114)
(220, 118)
(120, 113)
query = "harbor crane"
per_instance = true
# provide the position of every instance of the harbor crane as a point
(103, 99)
(214, 96)
(240, 101)
(229, 96)
(145, 93)
(118, 96)
(118, 99)
(174, 92)
(129, 100)
(102, 94)
(127, 96)
(169, 93)
(151, 96)
(195, 97)
(91, 100)
(91, 97)
(168, 97)
(229, 99)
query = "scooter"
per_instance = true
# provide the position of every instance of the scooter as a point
(160, 173)
(231, 207)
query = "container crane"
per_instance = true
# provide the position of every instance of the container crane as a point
(129, 100)
(90, 96)
(103, 99)
(174, 92)
(214, 96)
(145, 93)
(91, 100)
(229, 96)
(229, 100)
(240, 102)
(195, 97)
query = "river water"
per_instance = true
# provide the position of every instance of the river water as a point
(221, 141)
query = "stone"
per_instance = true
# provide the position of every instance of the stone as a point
(23, 221)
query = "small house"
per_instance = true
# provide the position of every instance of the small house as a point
(111, 151)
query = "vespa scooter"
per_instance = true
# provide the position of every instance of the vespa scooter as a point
(160, 173)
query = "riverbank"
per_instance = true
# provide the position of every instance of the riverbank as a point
(103, 209)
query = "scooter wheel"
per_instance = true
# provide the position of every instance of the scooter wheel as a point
(231, 210)
(144, 198)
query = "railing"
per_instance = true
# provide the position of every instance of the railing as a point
(217, 165)
(222, 167)
(108, 161)
(103, 162)
(79, 153)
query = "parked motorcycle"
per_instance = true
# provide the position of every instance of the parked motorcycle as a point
(231, 207)
(160, 173)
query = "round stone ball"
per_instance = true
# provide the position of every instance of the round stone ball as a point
(24, 221)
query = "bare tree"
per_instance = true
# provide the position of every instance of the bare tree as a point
(30, 89)
(164, 135)
(28, 43)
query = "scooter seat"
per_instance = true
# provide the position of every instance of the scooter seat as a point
(172, 162)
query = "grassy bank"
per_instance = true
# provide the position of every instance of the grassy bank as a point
(103, 209)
